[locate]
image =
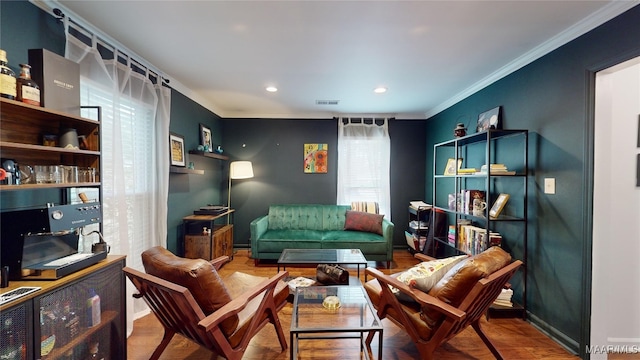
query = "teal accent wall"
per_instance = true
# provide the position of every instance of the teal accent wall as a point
(188, 192)
(553, 98)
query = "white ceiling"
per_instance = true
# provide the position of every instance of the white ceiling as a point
(429, 54)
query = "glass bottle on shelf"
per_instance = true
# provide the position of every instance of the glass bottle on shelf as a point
(71, 321)
(27, 90)
(47, 331)
(10, 350)
(7, 78)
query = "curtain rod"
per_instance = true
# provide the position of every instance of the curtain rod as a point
(58, 11)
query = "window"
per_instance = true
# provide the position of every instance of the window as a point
(364, 150)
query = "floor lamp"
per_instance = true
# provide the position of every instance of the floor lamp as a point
(239, 170)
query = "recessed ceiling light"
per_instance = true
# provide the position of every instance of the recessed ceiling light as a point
(380, 90)
(271, 88)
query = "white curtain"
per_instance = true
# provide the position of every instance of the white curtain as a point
(364, 158)
(135, 149)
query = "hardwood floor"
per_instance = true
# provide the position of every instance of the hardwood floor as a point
(515, 338)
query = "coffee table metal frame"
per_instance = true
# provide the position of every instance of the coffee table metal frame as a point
(293, 257)
(355, 305)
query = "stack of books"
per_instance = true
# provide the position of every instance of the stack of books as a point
(467, 171)
(504, 299)
(451, 235)
(419, 205)
(474, 240)
(497, 169)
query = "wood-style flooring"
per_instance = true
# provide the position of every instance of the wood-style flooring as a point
(515, 338)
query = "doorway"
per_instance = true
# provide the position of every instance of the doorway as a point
(615, 295)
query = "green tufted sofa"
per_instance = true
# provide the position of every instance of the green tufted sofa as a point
(309, 226)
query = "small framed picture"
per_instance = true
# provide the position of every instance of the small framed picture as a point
(498, 205)
(451, 168)
(176, 148)
(489, 120)
(205, 138)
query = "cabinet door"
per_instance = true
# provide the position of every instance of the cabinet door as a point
(84, 314)
(16, 324)
(197, 247)
(223, 239)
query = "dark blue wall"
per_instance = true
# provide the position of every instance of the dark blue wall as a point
(275, 148)
(188, 192)
(553, 98)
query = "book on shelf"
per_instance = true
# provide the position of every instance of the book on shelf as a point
(451, 235)
(474, 240)
(416, 242)
(467, 197)
(497, 169)
(504, 298)
(503, 303)
(419, 225)
(467, 171)
(419, 205)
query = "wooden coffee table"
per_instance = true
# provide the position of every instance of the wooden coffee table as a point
(355, 318)
(293, 257)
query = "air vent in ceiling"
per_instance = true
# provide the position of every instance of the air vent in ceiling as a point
(327, 102)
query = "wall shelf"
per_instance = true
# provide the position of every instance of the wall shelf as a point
(209, 154)
(183, 170)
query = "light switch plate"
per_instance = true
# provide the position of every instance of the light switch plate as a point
(549, 185)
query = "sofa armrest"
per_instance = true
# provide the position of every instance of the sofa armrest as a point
(258, 227)
(387, 233)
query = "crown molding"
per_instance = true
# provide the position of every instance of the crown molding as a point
(589, 23)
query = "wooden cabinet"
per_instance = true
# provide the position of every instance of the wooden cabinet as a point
(209, 245)
(53, 302)
(21, 139)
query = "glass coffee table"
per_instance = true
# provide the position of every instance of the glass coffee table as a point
(354, 318)
(322, 256)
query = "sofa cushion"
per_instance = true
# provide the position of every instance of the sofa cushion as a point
(197, 275)
(314, 235)
(362, 221)
(458, 282)
(307, 217)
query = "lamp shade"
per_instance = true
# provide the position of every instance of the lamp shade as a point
(240, 170)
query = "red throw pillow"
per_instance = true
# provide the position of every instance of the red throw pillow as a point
(362, 221)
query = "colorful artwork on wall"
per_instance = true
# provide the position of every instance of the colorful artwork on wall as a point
(315, 158)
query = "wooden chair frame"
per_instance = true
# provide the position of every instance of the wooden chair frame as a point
(177, 310)
(471, 309)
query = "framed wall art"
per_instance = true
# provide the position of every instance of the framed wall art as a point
(315, 158)
(498, 205)
(206, 138)
(452, 168)
(176, 146)
(489, 119)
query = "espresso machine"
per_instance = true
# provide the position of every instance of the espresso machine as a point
(42, 243)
